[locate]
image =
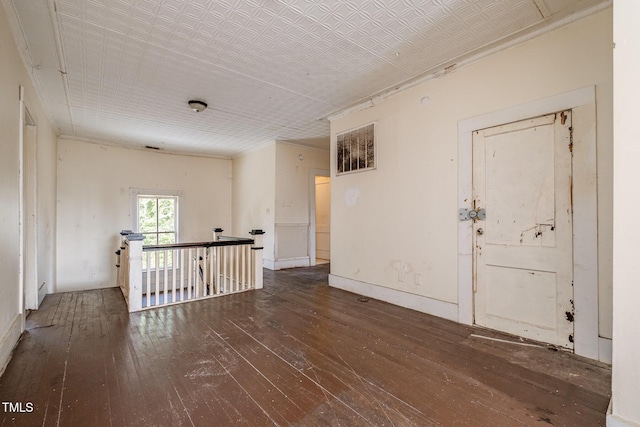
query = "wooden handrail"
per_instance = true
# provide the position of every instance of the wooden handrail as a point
(158, 275)
(224, 241)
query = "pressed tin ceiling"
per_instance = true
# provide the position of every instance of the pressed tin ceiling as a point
(122, 71)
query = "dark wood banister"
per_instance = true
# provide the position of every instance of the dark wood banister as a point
(223, 241)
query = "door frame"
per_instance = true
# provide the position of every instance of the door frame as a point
(313, 173)
(28, 210)
(585, 210)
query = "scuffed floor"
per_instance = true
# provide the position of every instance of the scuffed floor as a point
(297, 353)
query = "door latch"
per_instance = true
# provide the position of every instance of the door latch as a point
(471, 214)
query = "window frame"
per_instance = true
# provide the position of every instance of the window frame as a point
(136, 193)
(344, 155)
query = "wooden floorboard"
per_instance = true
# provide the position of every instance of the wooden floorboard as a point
(296, 353)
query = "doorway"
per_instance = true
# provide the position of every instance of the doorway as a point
(320, 218)
(323, 219)
(582, 103)
(523, 247)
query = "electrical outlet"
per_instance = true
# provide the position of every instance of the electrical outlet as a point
(92, 276)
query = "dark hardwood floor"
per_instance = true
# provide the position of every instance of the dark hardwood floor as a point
(297, 353)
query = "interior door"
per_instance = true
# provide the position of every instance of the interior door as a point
(523, 249)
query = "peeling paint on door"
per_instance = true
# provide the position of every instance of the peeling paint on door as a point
(521, 177)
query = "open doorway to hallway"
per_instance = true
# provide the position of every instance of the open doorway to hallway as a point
(320, 218)
(323, 219)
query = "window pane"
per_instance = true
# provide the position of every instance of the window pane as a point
(166, 238)
(150, 239)
(147, 214)
(157, 216)
(166, 214)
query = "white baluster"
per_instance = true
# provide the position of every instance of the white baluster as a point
(135, 272)
(182, 271)
(174, 266)
(190, 278)
(257, 258)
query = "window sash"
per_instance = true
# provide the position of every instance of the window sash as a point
(153, 228)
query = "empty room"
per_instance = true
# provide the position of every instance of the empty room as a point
(319, 213)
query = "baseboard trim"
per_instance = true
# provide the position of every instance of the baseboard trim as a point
(9, 341)
(605, 350)
(419, 303)
(615, 421)
(292, 263)
(269, 264)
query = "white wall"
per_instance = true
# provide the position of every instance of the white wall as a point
(402, 217)
(254, 184)
(12, 76)
(294, 167)
(625, 403)
(94, 203)
(292, 180)
(46, 203)
(271, 192)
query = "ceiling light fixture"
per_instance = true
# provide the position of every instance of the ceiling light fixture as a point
(197, 106)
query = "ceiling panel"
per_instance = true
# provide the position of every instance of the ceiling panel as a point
(269, 69)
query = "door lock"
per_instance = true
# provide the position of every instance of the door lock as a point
(480, 231)
(471, 214)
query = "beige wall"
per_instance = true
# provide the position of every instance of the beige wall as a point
(46, 203)
(403, 215)
(254, 184)
(626, 289)
(295, 166)
(12, 76)
(94, 203)
(271, 190)
(293, 180)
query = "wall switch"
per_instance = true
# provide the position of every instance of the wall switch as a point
(418, 279)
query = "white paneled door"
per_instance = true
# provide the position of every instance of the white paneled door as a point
(523, 247)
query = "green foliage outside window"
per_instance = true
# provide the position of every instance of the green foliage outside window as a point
(157, 223)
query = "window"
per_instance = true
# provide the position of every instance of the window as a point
(155, 214)
(158, 219)
(355, 150)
